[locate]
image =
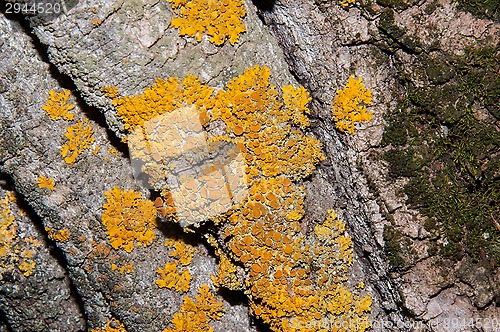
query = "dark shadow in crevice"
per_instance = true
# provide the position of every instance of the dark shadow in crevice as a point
(54, 251)
(66, 82)
(173, 230)
(4, 323)
(264, 5)
(239, 298)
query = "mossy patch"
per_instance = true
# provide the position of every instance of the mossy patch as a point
(401, 163)
(450, 152)
(397, 35)
(395, 131)
(396, 4)
(481, 8)
(398, 249)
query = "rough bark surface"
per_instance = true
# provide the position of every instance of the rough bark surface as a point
(323, 45)
(129, 44)
(30, 148)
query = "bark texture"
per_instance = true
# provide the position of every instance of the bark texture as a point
(129, 44)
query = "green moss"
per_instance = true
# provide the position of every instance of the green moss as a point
(451, 250)
(401, 163)
(450, 154)
(431, 7)
(398, 249)
(478, 77)
(396, 4)
(396, 34)
(481, 8)
(439, 71)
(395, 132)
(393, 247)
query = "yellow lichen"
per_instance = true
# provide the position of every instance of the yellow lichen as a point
(173, 277)
(296, 100)
(182, 251)
(220, 19)
(291, 280)
(13, 251)
(45, 182)
(95, 150)
(226, 273)
(347, 3)
(27, 266)
(162, 97)
(7, 229)
(127, 268)
(60, 236)
(195, 316)
(80, 137)
(128, 219)
(58, 106)
(287, 293)
(349, 105)
(113, 325)
(110, 91)
(113, 152)
(254, 117)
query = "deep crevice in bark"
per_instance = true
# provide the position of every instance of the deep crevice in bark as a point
(264, 5)
(383, 284)
(66, 82)
(4, 323)
(51, 245)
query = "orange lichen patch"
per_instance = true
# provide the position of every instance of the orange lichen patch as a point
(11, 196)
(33, 241)
(198, 179)
(281, 285)
(45, 182)
(226, 273)
(173, 277)
(127, 268)
(95, 150)
(12, 251)
(96, 21)
(331, 229)
(182, 251)
(60, 236)
(113, 152)
(347, 3)
(80, 137)
(128, 219)
(27, 267)
(113, 325)
(196, 315)
(8, 231)
(7, 236)
(221, 20)
(250, 102)
(289, 277)
(162, 97)
(58, 106)
(256, 122)
(349, 105)
(110, 91)
(296, 100)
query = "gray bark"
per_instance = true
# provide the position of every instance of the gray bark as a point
(315, 44)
